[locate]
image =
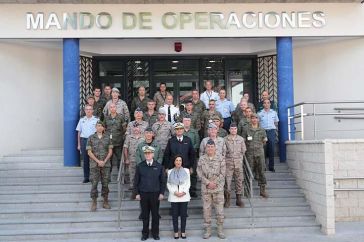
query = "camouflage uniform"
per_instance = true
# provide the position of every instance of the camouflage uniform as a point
(98, 108)
(198, 107)
(115, 129)
(139, 154)
(151, 119)
(137, 103)
(162, 133)
(220, 146)
(206, 117)
(106, 98)
(238, 115)
(235, 150)
(212, 170)
(131, 143)
(121, 108)
(222, 133)
(100, 148)
(195, 119)
(142, 126)
(243, 124)
(254, 140)
(160, 99)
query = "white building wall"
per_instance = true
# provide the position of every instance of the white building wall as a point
(31, 97)
(330, 71)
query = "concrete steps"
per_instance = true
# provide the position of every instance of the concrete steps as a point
(42, 200)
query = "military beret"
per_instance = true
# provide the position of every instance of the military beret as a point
(233, 125)
(138, 110)
(162, 111)
(254, 115)
(115, 90)
(210, 142)
(149, 129)
(212, 126)
(179, 126)
(148, 149)
(100, 122)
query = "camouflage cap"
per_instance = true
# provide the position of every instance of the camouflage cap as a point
(233, 125)
(212, 126)
(179, 126)
(138, 110)
(216, 117)
(162, 111)
(149, 129)
(148, 149)
(100, 122)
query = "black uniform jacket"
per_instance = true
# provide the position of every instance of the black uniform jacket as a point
(149, 178)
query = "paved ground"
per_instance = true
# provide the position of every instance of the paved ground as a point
(345, 232)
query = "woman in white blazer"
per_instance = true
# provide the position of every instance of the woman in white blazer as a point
(178, 184)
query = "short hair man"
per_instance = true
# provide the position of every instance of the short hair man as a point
(225, 107)
(171, 111)
(207, 116)
(209, 94)
(150, 116)
(161, 95)
(163, 130)
(121, 106)
(140, 101)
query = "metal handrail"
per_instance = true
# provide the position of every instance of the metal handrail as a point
(248, 185)
(328, 102)
(120, 181)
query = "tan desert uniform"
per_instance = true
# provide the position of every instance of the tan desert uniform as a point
(220, 146)
(163, 132)
(212, 170)
(121, 108)
(235, 150)
(160, 99)
(131, 143)
(206, 117)
(142, 126)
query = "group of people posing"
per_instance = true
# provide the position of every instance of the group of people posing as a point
(164, 146)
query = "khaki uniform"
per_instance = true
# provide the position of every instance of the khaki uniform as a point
(162, 133)
(121, 108)
(254, 140)
(235, 150)
(151, 119)
(115, 129)
(222, 133)
(100, 148)
(142, 126)
(139, 154)
(219, 143)
(195, 119)
(160, 99)
(138, 103)
(206, 117)
(212, 170)
(131, 143)
(198, 107)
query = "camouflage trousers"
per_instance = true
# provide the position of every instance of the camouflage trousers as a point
(236, 172)
(216, 200)
(131, 171)
(257, 165)
(116, 156)
(96, 174)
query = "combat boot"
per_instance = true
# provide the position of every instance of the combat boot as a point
(227, 199)
(220, 231)
(207, 233)
(94, 204)
(106, 204)
(263, 193)
(239, 202)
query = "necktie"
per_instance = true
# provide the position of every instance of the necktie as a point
(169, 114)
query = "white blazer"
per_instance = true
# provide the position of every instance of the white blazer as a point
(185, 187)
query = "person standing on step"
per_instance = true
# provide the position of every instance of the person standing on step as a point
(138, 118)
(121, 106)
(106, 96)
(221, 132)
(149, 185)
(99, 148)
(140, 101)
(150, 116)
(219, 142)
(178, 184)
(85, 128)
(99, 103)
(245, 121)
(160, 96)
(171, 111)
(148, 140)
(163, 130)
(209, 94)
(235, 151)
(226, 108)
(255, 138)
(207, 116)
(211, 169)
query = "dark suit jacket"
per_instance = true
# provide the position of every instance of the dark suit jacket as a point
(184, 148)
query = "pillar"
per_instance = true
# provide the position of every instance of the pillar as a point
(71, 100)
(285, 89)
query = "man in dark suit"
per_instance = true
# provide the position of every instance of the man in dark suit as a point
(149, 185)
(181, 145)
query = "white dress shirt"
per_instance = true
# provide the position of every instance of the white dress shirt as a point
(174, 112)
(207, 96)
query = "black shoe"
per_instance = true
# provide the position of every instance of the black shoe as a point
(183, 237)
(140, 216)
(176, 237)
(193, 194)
(144, 237)
(156, 237)
(272, 170)
(86, 180)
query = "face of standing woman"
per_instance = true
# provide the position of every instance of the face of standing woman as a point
(178, 162)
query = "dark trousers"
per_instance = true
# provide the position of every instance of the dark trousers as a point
(227, 122)
(271, 135)
(86, 159)
(150, 204)
(179, 210)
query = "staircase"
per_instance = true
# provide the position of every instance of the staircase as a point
(42, 200)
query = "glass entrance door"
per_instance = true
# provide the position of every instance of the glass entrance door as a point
(180, 76)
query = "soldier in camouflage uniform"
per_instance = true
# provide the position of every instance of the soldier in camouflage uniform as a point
(99, 104)
(138, 118)
(90, 100)
(163, 130)
(195, 139)
(207, 115)
(235, 150)
(99, 148)
(220, 142)
(121, 106)
(255, 138)
(239, 111)
(130, 146)
(221, 132)
(211, 169)
(160, 96)
(148, 141)
(195, 116)
(115, 129)
(198, 105)
(106, 95)
(140, 101)
(150, 116)
(245, 121)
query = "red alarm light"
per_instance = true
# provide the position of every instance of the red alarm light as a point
(178, 46)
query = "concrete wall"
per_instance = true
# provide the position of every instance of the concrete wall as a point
(31, 97)
(330, 71)
(312, 166)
